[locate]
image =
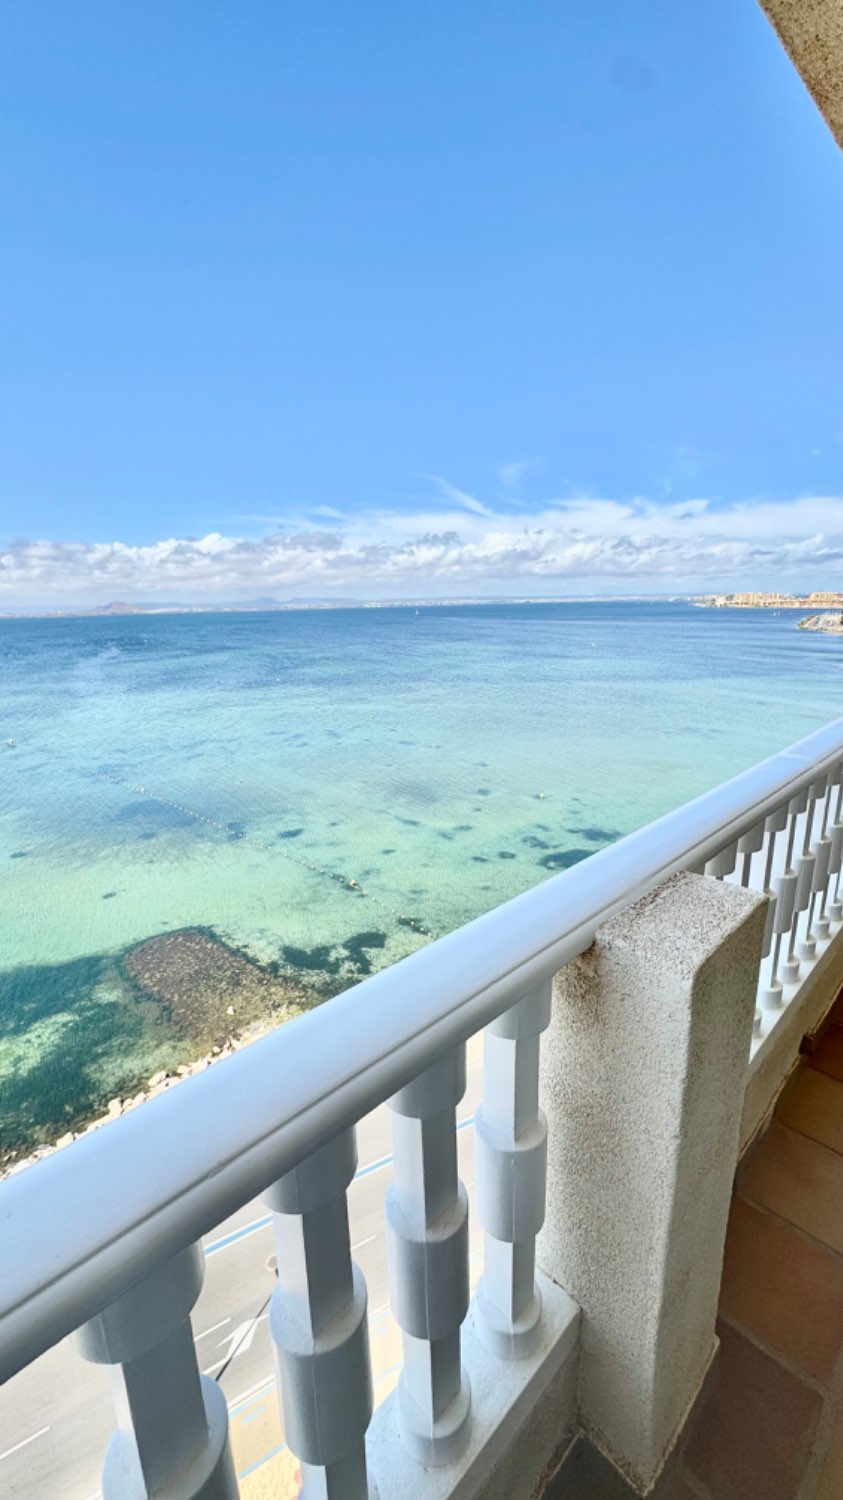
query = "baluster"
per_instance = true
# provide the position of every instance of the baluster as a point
(172, 1424)
(748, 844)
(722, 864)
(833, 912)
(804, 874)
(427, 1254)
(318, 1326)
(834, 834)
(511, 1169)
(813, 864)
(774, 824)
(821, 853)
(783, 887)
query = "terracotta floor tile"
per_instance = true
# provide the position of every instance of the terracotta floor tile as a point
(784, 1289)
(828, 1057)
(753, 1441)
(831, 1479)
(813, 1104)
(799, 1179)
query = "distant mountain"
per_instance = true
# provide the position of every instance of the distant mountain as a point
(163, 607)
(118, 607)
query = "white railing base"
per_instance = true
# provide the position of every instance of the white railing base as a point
(775, 1054)
(505, 1394)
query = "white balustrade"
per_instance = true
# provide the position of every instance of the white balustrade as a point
(748, 844)
(819, 884)
(723, 863)
(318, 1325)
(785, 886)
(775, 824)
(806, 865)
(511, 1172)
(427, 1252)
(832, 910)
(781, 890)
(171, 1440)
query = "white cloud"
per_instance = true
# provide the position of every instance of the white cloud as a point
(460, 497)
(565, 546)
(511, 474)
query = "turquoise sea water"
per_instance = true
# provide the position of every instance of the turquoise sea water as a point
(324, 789)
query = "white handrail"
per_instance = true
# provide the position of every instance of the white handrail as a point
(81, 1226)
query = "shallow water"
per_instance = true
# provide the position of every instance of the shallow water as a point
(324, 789)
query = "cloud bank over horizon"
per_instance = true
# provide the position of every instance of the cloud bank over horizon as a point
(460, 548)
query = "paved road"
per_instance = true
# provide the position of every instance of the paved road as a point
(56, 1418)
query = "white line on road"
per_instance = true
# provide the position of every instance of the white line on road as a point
(23, 1442)
(361, 1243)
(262, 1385)
(204, 1335)
(239, 1342)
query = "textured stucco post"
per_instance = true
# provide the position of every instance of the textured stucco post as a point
(643, 1080)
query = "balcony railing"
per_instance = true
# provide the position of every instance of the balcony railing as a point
(104, 1236)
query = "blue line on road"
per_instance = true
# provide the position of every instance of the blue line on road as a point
(258, 1461)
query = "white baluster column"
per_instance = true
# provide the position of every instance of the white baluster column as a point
(427, 1251)
(748, 844)
(318, 1325)
(778, 911)
(821, 851)
(787, 888)
(831, 910)
(806, 866)
(722, 864)
(511, 1172)
(171, 1441)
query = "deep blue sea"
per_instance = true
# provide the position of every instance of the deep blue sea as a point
(324, 790)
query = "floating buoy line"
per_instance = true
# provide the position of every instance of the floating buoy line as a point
(247, 838)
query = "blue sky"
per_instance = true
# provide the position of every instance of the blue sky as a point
(419, 298)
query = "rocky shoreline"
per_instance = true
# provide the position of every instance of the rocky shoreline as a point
(159, 1083)
(827, 624)
(217, 1000)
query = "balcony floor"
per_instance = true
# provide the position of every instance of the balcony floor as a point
(771, 1427)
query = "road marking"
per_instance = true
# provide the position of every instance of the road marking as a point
(215, 1328)
(361, 1243)
(238, 1341)
(238, 1234)
(273, 1453)
(263, 1223)
(262, 1385)
(23, 1443)
(242, 1337)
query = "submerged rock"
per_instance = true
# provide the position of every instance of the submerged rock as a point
(203, 983)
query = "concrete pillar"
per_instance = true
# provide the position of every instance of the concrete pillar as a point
(642, 1084)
